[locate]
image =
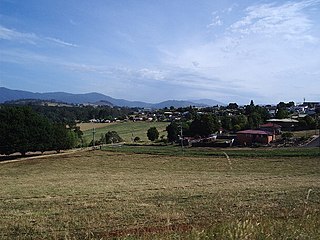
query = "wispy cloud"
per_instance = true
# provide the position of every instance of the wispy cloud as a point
(23, 57)
(288, 19)
(179, 78)
(216, 21)
(218, 16)
(61, 42)
(152, 74)
(264, 46)
(30, 38)
(231, 8)
(11, 34)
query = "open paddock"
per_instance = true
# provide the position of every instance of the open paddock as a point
(104, 194)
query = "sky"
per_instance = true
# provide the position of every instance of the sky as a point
(156, 50)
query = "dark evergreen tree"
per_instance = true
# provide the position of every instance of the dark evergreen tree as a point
(22, 130)
(152, 133)
(173, 132)
(19, 129)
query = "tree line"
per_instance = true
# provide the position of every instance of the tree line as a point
(67, 114)
(23, 130)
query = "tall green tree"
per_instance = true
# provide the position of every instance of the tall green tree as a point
(239, 122)
(173, 132)
(282, 113)
(63, 138)
(204, 125)
(254, 120)
(23, 130)
(226, 123)
(152, 133)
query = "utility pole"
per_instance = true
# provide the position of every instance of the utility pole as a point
(93, 135)
(181, 136)
(318, 123)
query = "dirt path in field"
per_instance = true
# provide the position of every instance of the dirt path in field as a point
(45, 155)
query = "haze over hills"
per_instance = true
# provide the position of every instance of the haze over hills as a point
(94, 98)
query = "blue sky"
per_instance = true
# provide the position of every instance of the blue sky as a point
(155, 50)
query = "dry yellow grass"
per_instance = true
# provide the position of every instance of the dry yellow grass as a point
(99, 195)
(89, 126)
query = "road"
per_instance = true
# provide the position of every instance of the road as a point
(314, 143)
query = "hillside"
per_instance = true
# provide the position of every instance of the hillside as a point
(85, 98)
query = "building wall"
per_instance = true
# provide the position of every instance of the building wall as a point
(249, 139)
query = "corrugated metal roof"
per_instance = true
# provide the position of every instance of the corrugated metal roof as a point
(270, 125)
(254, 132)
(285, 120)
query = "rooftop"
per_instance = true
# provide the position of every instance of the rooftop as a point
(269, 125)
(254, 132)
(285, 120)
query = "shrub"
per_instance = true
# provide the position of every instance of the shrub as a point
(136, 139)
(287, 135)
(113, 137)
(153, 133)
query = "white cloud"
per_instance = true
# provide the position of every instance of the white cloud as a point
(231, 8)
(258, 56)
(152, 74)
(216, 21)
(288, 19)
(30, 38)
(10, 34)
(61, 42)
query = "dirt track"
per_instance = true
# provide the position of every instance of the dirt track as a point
(46, 155)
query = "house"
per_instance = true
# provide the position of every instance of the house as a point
(249, 137)
(287, 124)
(271, 127)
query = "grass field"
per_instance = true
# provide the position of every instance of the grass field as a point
(306, 133)
(126, 130)
(88, 126)
(174, 150)
(109, 194)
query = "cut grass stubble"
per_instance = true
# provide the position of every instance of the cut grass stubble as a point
(104, 194)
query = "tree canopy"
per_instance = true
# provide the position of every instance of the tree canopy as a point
(22, 130)
(153, 133)
(204, 125)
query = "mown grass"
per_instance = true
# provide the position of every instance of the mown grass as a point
(305, 133)
(105, 195)
(174, 150)
(128, 130)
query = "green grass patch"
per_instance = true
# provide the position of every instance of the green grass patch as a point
(174, 150)
(128, 130)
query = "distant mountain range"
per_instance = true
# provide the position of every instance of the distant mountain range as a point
(98, 99)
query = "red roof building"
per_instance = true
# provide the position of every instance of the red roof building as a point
(249, 137)
(271, 127)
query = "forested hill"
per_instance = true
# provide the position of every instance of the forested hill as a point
(11, 95)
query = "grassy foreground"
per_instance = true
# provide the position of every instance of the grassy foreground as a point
(104, 194)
